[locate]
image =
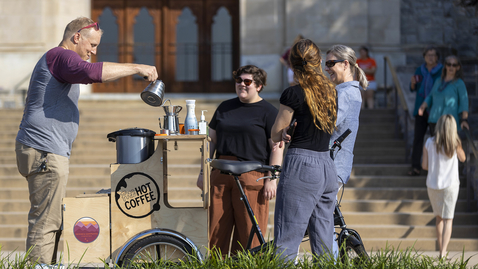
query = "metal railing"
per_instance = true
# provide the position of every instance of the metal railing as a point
(399, 95)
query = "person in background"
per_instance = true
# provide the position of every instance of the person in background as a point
(50, 125)
(369, 66)
(422, 83)
(284, 59)
(448, 96)
(240, 130)
(440, 157)
(308, 181)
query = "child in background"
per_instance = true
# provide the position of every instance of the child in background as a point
(440, 159)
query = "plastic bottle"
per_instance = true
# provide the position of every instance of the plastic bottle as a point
(190, 122)
(203, 130)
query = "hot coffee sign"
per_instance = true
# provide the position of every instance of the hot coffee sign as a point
(137, 195)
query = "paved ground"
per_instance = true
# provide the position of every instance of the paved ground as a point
(454, 255)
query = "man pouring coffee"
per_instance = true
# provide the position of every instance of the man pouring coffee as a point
(50, 125)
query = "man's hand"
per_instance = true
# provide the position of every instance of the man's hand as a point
(148, 72)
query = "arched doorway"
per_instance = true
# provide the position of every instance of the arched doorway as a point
(194, 44)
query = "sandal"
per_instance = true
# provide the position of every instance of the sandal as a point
(414, 172)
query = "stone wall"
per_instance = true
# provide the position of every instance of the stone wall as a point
(439, 22)
(28, 29)
(268, 27)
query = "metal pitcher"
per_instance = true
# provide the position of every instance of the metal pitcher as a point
(171, 119)
(153, 94)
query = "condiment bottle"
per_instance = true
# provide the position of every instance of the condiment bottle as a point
(190, 122)
(203, 130)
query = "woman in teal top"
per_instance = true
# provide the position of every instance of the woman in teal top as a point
(448, 96)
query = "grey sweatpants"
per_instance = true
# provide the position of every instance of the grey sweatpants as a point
(305, 199)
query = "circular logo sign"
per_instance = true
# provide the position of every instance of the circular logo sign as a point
(137, 195)
(86, 230)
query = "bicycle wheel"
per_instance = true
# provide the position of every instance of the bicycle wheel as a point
(351, 248)
(156, 249)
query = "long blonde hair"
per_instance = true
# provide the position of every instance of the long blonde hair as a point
(320, 93)
(342, 52)
(446, 135)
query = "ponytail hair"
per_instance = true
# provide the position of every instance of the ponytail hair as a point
(342, 52)
(446, 135)
(320, 94)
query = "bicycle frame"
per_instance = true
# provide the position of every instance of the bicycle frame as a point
(255, 230)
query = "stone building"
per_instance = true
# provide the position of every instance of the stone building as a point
(195, 44)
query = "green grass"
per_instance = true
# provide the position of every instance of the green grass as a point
(268, 259)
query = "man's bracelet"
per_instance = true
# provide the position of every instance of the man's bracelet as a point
(463, 120)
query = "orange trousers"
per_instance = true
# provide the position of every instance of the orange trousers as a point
(227, 210)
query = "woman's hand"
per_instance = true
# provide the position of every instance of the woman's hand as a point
(270, 189)
(464, 120)
(422, 108)
(199, 183)
(413, 82)
(285, 136)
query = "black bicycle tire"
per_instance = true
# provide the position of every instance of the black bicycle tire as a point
(352, 243)
(154, 240)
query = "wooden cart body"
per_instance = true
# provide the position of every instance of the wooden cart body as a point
(101, 227)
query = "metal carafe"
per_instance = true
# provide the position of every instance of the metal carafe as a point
(171, 119)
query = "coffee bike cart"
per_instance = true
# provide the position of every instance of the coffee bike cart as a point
(135, 220)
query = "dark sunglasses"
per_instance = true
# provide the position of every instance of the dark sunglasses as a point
(454, 65)
(96, 25)
(331, 63)
(247, 82)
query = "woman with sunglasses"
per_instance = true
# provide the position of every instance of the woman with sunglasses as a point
(240, 130)
(342, 68)
(341, 64)
(308, 181)
(448, 96)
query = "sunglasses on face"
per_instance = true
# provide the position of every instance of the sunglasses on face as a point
(331, 63)
(247, 82)
(96, 25)
(454, 65)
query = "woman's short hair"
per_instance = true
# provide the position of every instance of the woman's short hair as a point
(429, 48)
(258, 75)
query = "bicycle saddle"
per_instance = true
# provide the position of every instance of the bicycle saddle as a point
(235, 167)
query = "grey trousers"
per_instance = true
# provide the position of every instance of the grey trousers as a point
(305, 199)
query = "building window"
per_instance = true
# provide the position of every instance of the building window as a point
(200, 37)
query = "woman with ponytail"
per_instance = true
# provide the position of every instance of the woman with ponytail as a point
(440, 157)
(308, 182)
(342, 68)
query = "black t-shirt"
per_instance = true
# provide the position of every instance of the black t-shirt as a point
(306, 134)
(243, 130)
